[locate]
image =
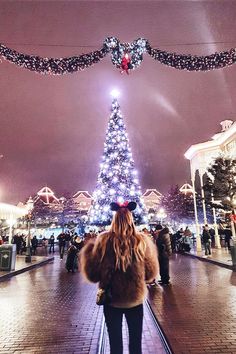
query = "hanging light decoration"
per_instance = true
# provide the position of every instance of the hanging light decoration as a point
(124, 56)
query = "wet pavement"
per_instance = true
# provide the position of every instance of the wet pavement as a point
(21, 266)
(197, 312)
(47, 310)
(221, 256)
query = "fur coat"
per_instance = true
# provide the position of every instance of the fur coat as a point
(128, 288)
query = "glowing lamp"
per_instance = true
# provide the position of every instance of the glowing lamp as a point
(115, 93)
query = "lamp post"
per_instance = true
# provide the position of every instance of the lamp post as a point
(161, 215)
(30, 205)
(233, 221)
(62, 202)
(217, 237)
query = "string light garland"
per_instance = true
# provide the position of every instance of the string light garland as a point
(53, 66)
(124, 56)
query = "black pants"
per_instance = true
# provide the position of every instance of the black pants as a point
(134, 318)
(61, 250)
(227, 243)
(164, 269)
(34, 250)
(51, 248)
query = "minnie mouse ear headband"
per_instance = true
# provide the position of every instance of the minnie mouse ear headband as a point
(129, 205)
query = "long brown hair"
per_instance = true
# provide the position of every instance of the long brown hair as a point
(127, 243)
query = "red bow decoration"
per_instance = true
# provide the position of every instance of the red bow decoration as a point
(125, 64)
(124, 204)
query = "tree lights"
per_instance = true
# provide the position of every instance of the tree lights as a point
(117, 179)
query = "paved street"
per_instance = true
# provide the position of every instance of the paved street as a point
(198, 311)
(47, 310)
(21, 266)
(221, 256)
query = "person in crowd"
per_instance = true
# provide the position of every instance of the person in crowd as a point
(34, 244)
(23, 243)
(206, 240)
(18, 240)
(173, 240)
(67, 240)
(125, 259)
(52, 243)
(179, 233)
(164, 252)
(72, 254)
(78, 242)
(212, 233)
(221, 231)
(1, 240)
(45, 245)
(72, 259)
(186, 240)
(228, 236)
(61, 242)
(187, 232)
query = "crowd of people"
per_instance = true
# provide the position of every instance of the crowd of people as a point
(181, 241)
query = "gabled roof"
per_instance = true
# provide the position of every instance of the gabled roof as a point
(47, 196)
(82, 193)
(186, 188)
(152, 192)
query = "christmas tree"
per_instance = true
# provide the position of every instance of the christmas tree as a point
(221, 182)
(117, 179)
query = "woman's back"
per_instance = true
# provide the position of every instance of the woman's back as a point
(122, 260)
(129, 285)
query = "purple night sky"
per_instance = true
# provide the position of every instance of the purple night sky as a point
(53, 128)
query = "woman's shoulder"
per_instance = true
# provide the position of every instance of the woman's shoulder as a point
(102, 237)
(104, 234)
(148, 240)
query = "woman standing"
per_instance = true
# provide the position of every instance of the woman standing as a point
(126, 260)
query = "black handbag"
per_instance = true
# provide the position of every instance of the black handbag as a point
(104, 294)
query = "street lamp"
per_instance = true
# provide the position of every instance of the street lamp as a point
(161, 215)
(62, 202)
(30, 205)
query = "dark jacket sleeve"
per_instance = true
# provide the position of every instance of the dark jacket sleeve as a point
(90, 262)
(167, 242)
(151, 260)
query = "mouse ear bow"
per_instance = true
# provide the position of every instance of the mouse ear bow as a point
(131, 206)
(114, 206)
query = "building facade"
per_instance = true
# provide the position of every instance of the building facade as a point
(83, 200)
(152, 198)
(201, 155)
